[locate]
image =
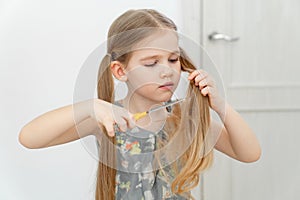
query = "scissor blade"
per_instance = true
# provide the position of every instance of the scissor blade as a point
(166, 105)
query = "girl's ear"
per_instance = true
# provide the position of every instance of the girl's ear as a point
(118, 70)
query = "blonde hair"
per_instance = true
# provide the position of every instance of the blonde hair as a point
(194, 161)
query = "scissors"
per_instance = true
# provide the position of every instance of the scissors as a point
(140, 115)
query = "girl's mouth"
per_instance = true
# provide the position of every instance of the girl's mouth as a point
(167, 86)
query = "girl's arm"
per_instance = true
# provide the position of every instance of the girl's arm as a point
(237, 139)
(58, 126)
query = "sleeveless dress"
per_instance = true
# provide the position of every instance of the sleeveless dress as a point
(135, 178)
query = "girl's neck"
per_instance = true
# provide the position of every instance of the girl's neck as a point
(135, 103)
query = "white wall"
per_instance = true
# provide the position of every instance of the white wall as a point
(42, 47)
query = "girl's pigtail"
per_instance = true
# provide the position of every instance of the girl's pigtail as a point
(198, 157)
(105, 188)
(105, 80)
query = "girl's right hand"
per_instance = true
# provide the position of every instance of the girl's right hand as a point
(110, 115)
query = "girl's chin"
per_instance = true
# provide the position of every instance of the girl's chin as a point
(164, 98)
(157, 95)
(158, 98)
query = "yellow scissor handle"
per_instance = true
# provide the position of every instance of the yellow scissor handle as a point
(138, 116)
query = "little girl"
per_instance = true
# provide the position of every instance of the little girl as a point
(143, 52)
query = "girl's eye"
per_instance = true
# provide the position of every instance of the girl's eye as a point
(174, 60)
(151, 65)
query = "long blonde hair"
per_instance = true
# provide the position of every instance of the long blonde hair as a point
(179, 124)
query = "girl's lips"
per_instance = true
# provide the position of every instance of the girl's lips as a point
(167, 86)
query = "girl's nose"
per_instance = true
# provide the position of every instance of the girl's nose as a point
(166, 72)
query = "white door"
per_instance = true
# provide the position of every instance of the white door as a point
(261, 76)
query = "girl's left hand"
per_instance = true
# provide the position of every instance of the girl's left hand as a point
(208, 88)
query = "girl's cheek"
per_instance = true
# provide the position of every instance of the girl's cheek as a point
(142, 78)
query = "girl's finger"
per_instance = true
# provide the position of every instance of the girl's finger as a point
(196, 73)
(109, 127)
(205, 91)
(200, 78)
(203, 83)
(192, 75)
(131, 120)
(122, 124)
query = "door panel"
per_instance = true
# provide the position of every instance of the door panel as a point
(260, 72)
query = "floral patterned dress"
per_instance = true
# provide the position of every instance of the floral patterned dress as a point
(135, 178)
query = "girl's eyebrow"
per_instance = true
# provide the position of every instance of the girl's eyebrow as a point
(158, 56)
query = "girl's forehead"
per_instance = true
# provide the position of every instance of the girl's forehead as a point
(158, 42)
(154, 52)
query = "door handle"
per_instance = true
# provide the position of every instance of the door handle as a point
(220, 36)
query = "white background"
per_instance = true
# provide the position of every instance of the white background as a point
(42, 47)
